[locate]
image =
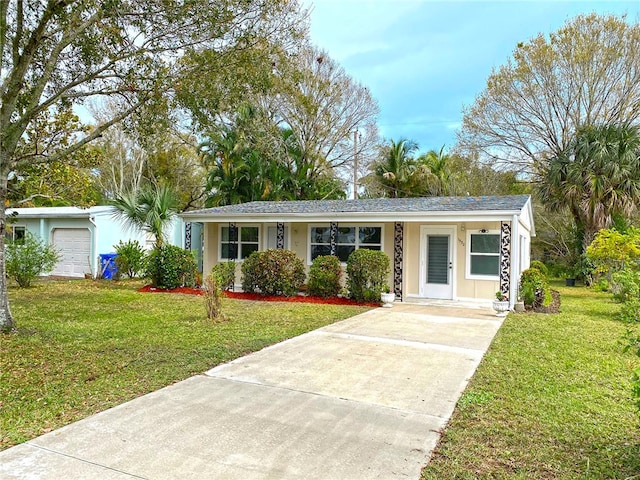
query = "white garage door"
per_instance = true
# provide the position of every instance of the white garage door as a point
(74, 245)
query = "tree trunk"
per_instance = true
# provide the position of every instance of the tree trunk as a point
(6, 319)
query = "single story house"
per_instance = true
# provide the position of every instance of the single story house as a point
(81, 235)
(454, 248)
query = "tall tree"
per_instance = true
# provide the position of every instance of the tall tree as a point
(473, 177)
(324, 107)
(58, 53)
(437, 176)
(69, 181)
(243, 170)
(595, 178)
(588, 72)
(395, 173)
(302, 90)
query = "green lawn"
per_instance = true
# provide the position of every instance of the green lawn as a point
(84, 346)
(551, 399)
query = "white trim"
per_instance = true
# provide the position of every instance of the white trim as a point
(356, 217)
(238, 259)
(340, 225)
(467, 273)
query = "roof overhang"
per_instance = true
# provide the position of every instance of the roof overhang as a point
(57, 212)
(355, 217)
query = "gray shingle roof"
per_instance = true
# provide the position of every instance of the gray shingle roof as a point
(378, 205)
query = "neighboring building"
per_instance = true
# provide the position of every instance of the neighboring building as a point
(82, 234)
(455, 248)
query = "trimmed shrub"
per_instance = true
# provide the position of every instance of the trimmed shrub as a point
(540, 266)
(225, 273)
(534, 288)
(28, 258)
(273, 272)
(324, 276)
(367, 272)
(625, 285)
(170, 267)
(130, 259)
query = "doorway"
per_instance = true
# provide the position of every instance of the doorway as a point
(437, 261)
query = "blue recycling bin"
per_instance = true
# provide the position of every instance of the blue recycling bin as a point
(108, 267)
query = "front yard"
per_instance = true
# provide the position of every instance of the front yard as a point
(551, 399)
(85, 346)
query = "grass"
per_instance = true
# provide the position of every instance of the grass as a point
(551, 399)
(84, 346)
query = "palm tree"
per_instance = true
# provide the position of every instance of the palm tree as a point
(150, 210)
(395, 172)
(596, 178)
(435, 170)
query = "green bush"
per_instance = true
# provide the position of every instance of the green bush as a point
(130, 259)
(625, 285)
(273, 272)
(540, 266)
(225, 273)
(602, 285)
(324, 276)
(630, 311)
(28, 258)
(170, 267)
(534, 288)
(367, 272)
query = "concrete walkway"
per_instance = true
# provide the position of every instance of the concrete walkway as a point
(363, 398)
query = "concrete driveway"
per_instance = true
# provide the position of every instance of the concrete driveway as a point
(363, 398)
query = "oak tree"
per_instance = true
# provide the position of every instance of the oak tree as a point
(586, 73)
(60, 53)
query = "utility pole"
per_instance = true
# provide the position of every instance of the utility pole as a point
(355, 164)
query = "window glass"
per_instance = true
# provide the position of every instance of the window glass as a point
(15, 233)
(346, 235)
(484, 255)
(485, 265)
(370, 234)
(348, 239)
(249, 234)
(320, 235)
(485, 243)
(317, 250)
(224, 234)
(343, 251)
(247, 249)
(248, 242)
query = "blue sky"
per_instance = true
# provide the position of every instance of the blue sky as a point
(424, 60)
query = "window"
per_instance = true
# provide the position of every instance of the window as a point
(348, 239)
(239, 248)
(484, 255)
(15, 233)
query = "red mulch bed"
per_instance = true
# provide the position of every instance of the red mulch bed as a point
(264, 298)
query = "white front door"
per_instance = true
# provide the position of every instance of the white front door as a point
(436, 262)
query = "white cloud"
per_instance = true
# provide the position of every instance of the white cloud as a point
(424, 60)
